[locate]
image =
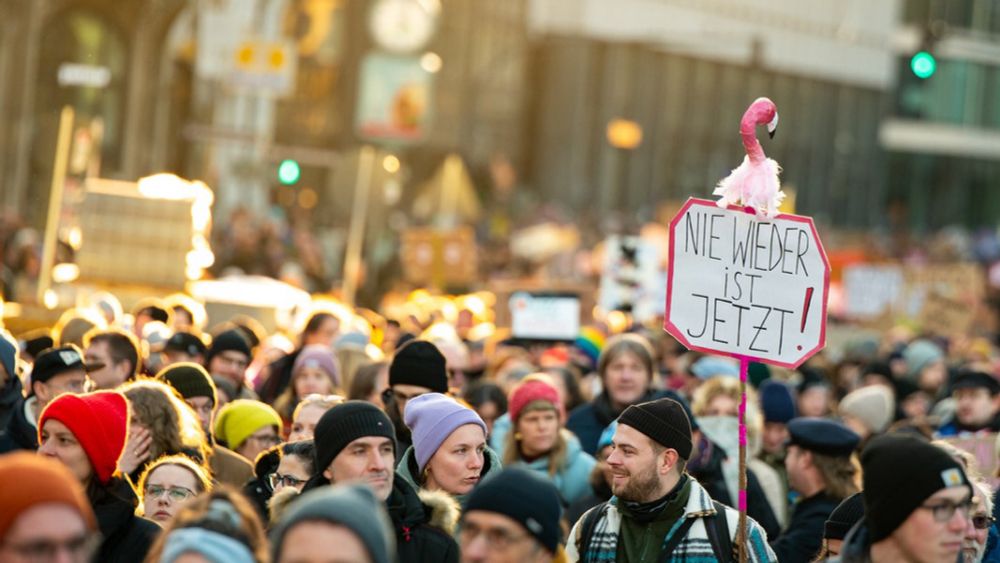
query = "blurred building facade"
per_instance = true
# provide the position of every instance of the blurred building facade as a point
(172, 85)
(943, 132)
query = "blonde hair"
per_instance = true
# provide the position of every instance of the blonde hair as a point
(173, 426)
(325, 402)
(841, 475)
(201, 475)
(726, 386)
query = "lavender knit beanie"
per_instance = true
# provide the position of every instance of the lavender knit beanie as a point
(431, 418)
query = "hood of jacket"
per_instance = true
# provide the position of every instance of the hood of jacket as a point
(115, 507)
(410, 471)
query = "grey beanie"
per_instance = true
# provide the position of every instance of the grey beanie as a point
(351, 506)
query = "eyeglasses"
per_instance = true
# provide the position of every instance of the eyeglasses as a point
(944, 511)
(270, 439)
(399, 398)
(982, 521)
(287, 480)
(497, 539)
(175, 494)
(80, 548)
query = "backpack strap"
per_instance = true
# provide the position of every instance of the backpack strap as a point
(590, 520)
(675, 539)
(717, 528)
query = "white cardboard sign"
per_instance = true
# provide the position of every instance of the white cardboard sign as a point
(746, 286)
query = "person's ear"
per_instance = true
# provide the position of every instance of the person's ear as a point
(668, 460)
(41, 390)
(328, 474)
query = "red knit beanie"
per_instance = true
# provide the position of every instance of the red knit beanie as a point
(99, 421)
(532, 390)
(30, 480)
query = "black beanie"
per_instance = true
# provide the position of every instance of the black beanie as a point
(506, 494)
(900, 472)
(664, 421)
(228, 340)
(190, 380)
(848, 513)
(419, 363)
(345, 423)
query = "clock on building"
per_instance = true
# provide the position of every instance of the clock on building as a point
(403, 26)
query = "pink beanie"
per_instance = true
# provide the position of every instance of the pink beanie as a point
(318, 356)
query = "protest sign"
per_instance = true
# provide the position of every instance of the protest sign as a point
(631, 278)
(746, 286)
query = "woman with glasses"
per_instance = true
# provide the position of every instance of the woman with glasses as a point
(285, 466)
(161, 424)
(168, 484)
(86, 433)
(248, 427)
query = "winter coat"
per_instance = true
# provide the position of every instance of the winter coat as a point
(804, 536)
(279, 375)
(588, 420)
(11, 396)
(572, 479)
(410, 471)
(126, 537)
(229, 467)
(21, 433)
(707, 468)
(856, 547)
(595, 496)
(694, 547)
(414, 519)
(953, 428)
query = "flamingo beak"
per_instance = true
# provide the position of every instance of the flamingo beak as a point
(772, 126)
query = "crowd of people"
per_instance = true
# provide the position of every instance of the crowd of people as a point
(426, 434)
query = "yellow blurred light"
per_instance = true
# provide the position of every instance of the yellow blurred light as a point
(617, 322)
(308, 198)
(74, 238)
(193, 272)
(624, 133)
(374, 352)
(431, 62)
(10, 310)
(390, 163)
(50, 299)
(481, 331)
(65, 273)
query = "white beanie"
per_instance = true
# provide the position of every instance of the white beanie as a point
(873, 405)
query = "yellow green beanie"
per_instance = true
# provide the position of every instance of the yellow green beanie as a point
(239, 419)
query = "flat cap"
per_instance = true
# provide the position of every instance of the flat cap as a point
(822, 436)
(976, 380)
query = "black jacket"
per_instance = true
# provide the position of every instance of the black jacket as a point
(127, 537)
(279, 374)
(804, 536)
(20, 434)
(707, 469)
(416, 539)
(11, 396)
(588, 420)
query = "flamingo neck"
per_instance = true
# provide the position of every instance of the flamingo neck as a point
(748, 126)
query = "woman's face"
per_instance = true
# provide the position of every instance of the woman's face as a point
(292, 472)
(539, 430)
(59, 443)
(626, 379)
(457, 464)
(722, 405)
(305, 423)
(310, 380)
(168, 488)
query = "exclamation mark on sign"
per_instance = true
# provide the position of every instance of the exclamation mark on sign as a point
(805, 308)
(805, 311)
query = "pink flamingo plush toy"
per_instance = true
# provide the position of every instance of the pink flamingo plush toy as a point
(755, 182)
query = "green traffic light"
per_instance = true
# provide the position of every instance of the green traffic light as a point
(289, 172)
(923, 65)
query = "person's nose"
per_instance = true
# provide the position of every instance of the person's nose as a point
(475, 549)
(477, 461)
(376, 462)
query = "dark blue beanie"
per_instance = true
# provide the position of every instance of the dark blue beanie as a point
(777, 402)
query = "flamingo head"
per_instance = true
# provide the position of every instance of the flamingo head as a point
(765, 112)
(761, 112)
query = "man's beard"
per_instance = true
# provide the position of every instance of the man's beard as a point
(640, 487)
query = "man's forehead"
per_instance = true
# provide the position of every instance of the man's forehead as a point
(370, 441)
(956, 493)
(487, 519)
(625, 435)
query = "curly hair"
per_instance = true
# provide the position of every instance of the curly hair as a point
(223, 511)
(725, 386)
(173, 426)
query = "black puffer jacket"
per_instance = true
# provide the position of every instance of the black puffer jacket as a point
(416, 538)
(127, 537)
(20, 434)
